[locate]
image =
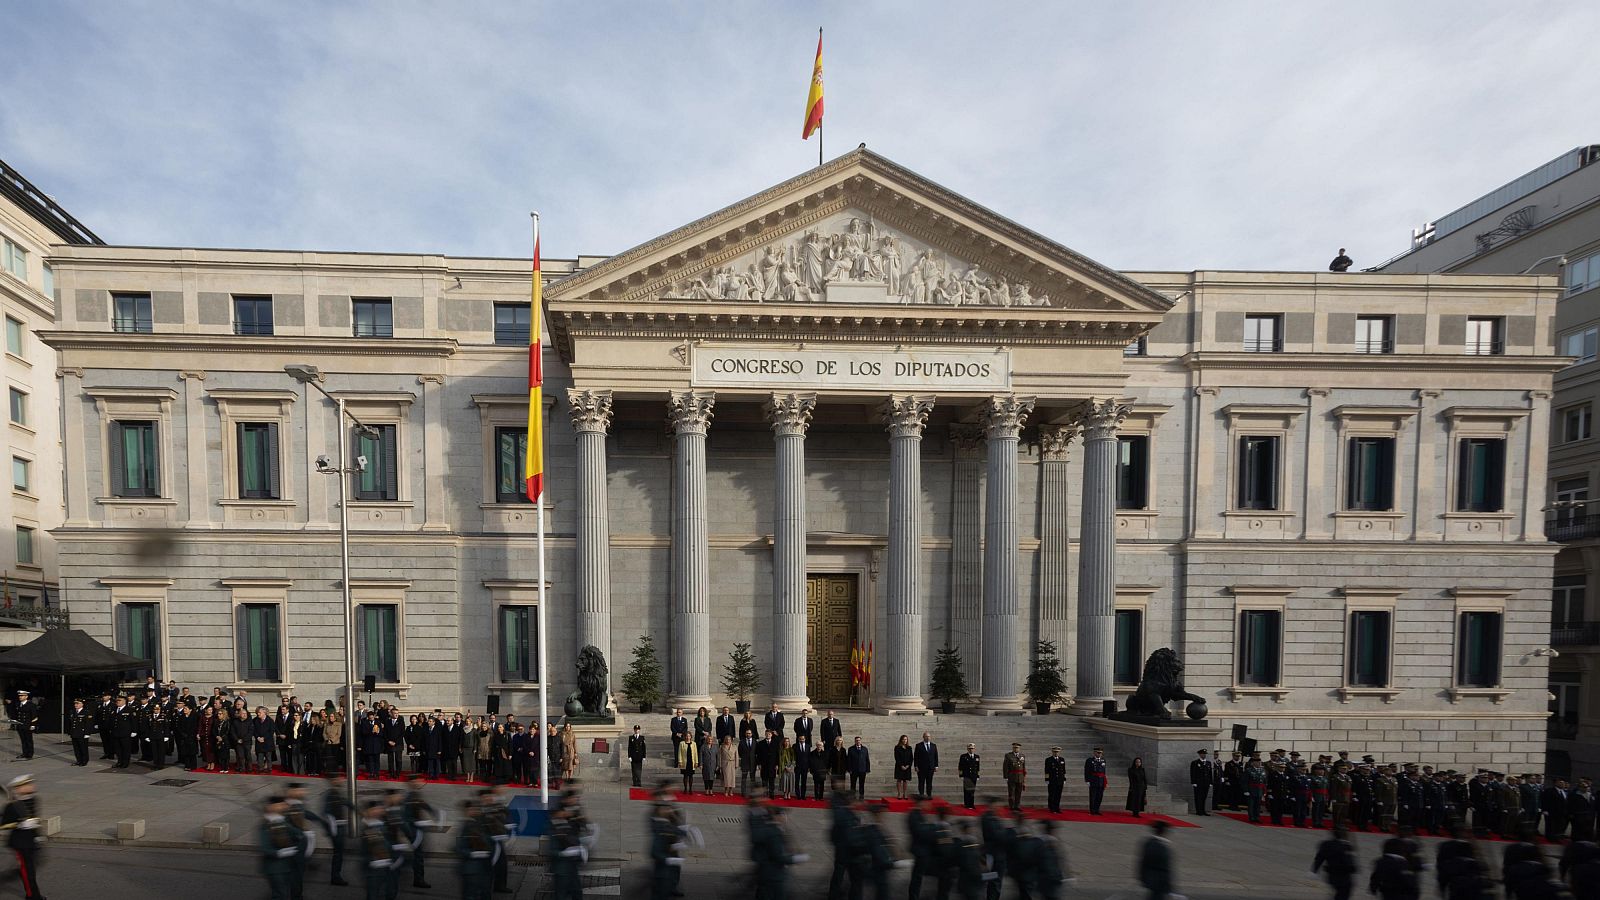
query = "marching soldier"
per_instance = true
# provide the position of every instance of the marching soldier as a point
(1094, 773)
(970, 873)
(1014, 768)
(335, 810)
(770, 850)
(843, 825)
(1050, 867)
(1338, 857)
(377, 850)
(997, 839)
(968, 768)
(294, 800)
(923, 840)
(664, 849)
(418, 819)
(474, 849)
(872, 853)
(566, 855)
(21, 822)
(1055, 778)
(281, 842)
(25, 720)
(80, 724)
(497, 822)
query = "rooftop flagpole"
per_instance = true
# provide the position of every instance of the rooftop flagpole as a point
(535, 474)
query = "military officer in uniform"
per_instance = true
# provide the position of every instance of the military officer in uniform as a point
(474, 852)
(21, 822)
(1339, 793)
(335, 810)
(1385, 792)
(637, 754)
(1055, 778)
(1255, 787)
(124, 731)
(968, 767)
(1014, 768)
(1200, 778)
(565, 856)
(1094, 773)
(280, 844)
(80, 724)
(1319, 795)
(1230, 785)
(25, 719)
(377, 850)
(102, 725)
(157, 733)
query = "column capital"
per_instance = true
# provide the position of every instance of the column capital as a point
(1055, 440)
(1099, 418)
(790, 413)
(906, 415)
(1004, 415)
(966, 438)
(590, 410)
(690, 411)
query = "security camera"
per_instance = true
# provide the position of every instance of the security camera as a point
(324, 464)
(361, 463)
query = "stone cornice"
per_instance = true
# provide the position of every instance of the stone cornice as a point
(276, 345)
(1433, 363)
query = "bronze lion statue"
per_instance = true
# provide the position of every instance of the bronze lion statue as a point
(1161, 684)
(590, 697)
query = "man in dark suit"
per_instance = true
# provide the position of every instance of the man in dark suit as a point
(679, 726)
(392, 739)
(1055, 778)
(858, 762)
(1200, 778)
(769, 760)
(831, 728)
(727, 726)
(802, 726)
(80, 724)
(802, 766)
(774, 720)
(925, 759)
(1554, 803)
(636, 755)
(25, 719)
(432, 747)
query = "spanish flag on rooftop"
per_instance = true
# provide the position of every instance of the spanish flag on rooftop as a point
(814, 100)
(534, 471)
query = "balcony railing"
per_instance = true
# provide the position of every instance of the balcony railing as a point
(32, 616)
(1572, 528)
(1575, 634)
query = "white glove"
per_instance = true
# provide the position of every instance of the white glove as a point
(399, 848)
(287, 852)
(572, 851)
(990, 876)
(28, 823)
(902, 864)
(675, 861)
(800, 858)
(479, 854)
(378, 864)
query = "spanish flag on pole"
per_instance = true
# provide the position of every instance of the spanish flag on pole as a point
(814, 101)
(534, 470)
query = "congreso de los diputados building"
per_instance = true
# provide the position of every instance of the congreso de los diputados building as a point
(854, 408)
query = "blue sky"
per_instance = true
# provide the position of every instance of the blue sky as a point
(1145, 134)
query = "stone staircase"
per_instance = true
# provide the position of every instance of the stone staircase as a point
(993, 736)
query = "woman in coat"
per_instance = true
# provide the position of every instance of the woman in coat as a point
(569, 754)
(785, 770)
(1138, 786)
(688, 760)
(483, 750)
(207, 733)
(727, 765)
(416, 737)
(709, 757)
(837, 760)
(703, 725)
(333, 741)
(469, 747)
(311, 742)
(902, 766)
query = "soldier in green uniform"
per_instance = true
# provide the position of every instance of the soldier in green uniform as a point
(1385, 792)
(335, 810)
(664, 849)
(1255, 786)
(475, 851)
(294, 799)
(418, 819)
(377, 852)
(1339, 793)
(497, 822)
(970, 870)
(565, 856)
(280, 843)
(1510, 807)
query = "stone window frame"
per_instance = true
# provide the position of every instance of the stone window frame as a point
(1463, 422)
(1261, 420)
(385, 592)
(382, 408)
(1135, 597)
(113, 404)
(249, 405)
(505, 411)
(261, 591)
(1141, 421)
(126, 589)
(1353, 421)
(1467, 600)
(1368, 599)
(1260, 597)
(512, 592)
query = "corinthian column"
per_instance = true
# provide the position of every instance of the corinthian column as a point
(905, 415)
(591, 419)
(1097, 555)
(690, 415)
(790, 415)
(1003, 417)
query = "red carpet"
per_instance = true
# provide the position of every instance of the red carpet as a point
(899, 806)
(1289, 823)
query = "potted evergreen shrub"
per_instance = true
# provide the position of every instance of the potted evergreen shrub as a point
(949, 682)
(642, 683)
(742, 678)
(1045, 684)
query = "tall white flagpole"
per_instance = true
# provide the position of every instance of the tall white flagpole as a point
(544, 665)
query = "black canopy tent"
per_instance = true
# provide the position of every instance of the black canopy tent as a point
(63, 652)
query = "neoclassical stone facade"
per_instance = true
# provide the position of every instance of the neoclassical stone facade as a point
(853, 409)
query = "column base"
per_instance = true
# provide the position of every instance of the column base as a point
(903, 706)
(791, 706)
(690, 702)
(1001, 706)
(1088, 706)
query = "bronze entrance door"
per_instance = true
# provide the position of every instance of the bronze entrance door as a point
(830, 633)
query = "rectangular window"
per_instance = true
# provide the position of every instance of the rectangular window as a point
(518, 644)
(252, 315)
(380, 479)
(1484, 336)
(14, 258)
(1258, 472)
(1569, 500)
(372, 318)
(19, 406)
(49, 281)
(1369, 648)
(1566, 689)
(1374, 334)
(1370, 479)
(1581, 345)
(24, 545)
(378, 637)
(1582, 274)
(14, 336)
(1478, 656)
(259, 642)
(1140, 347)
(513, 324)
(1481, 466)
(139, 632)
(1575, 423)
(510, 465)
(1128, 652)
(135, 468)
(130, 313)
(21, 473)
(1567, 601)
(258, 461)
(1263, 333)
(1133, 471)
(1260, 647)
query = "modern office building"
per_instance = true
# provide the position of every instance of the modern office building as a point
(1548, 220)
(855, 408)
(31, 224)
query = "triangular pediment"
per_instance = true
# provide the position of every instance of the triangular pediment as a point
(859, 232)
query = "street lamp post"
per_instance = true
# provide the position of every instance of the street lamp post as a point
(310, 375)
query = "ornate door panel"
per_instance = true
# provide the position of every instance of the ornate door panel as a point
(830, 634)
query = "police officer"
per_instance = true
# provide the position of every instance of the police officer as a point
(280, 844)
(1055, 778)
(80, 724)
(21, 822)
(25, 719)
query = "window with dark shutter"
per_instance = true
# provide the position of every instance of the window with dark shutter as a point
(1369, 474)
(1478, 656)
(258, 460)
(517, 642)
(1480, 482)
(1369, 648)
(1128, 647)
(380, 480)
(510, 458)
(134, 471)
(378, 643)
(1133, 471)
(1260, 647)
(1258, 472)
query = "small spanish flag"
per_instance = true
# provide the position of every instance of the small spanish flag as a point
(814, 100)
(855, 664)
(534, 471)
